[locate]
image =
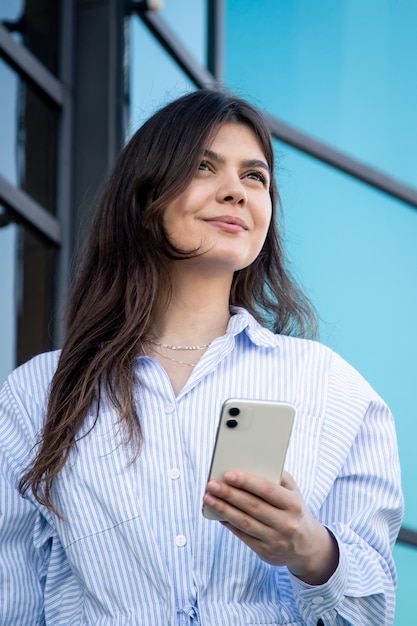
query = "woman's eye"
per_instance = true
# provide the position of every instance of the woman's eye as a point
(204, 166)
(257, 176)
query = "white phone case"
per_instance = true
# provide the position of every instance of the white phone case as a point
(252, 437)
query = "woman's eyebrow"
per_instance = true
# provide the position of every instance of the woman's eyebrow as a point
(255, 163)
(210, 154)
(214, 156)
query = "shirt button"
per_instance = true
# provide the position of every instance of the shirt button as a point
(174, 473)
(318, 600)
(180, 541)
(170, 408)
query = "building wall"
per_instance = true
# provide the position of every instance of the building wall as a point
(28, 176)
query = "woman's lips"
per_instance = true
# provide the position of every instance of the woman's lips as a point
(228, 223)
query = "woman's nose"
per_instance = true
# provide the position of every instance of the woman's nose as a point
(232, 191)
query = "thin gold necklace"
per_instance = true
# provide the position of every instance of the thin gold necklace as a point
(176, 348)
(171, 347)
(165, 356)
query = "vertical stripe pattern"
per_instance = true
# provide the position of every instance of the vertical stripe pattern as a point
(133, 547)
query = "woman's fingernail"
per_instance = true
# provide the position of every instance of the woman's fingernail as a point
(214, 486)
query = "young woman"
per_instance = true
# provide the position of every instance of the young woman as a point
(182, 301)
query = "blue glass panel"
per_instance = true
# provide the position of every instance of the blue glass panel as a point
(406, 561)
(188, 20)
(28, 133)
(154, 77)
(344, 72)
(11, 10)
(9, 114)
(355, 252)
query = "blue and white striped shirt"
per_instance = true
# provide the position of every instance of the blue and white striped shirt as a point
(134, 548)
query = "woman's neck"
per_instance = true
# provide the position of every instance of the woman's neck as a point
(197, 313)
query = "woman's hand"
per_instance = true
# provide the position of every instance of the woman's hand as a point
(274, 521)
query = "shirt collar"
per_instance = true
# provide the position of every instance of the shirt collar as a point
(242, 321)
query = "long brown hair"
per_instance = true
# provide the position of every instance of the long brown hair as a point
(123, 275)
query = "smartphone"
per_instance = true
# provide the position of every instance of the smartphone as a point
(252, 437)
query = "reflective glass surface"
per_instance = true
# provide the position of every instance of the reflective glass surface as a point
(8, 285)
(154, 77)
(9, 128)
(344, 72)
(188, 20)
(354, 250)
(406, 559)
(34, 23)
(11, 11)
(27, 268)
(28, 134)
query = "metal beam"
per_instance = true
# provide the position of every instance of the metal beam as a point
(408, 536)
(170, 42)
(342, 162)
(29, 211)
(65, 164)
(28, 66)
(98, 103)
(215, 38)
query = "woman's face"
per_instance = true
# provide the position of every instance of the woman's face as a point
(226, 209)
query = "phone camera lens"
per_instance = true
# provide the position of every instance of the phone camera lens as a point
(232, 423)
(234, 411)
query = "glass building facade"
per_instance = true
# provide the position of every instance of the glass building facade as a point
(338, 82)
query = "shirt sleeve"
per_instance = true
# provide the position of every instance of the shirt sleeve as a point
(363, 510)
(23, 544)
